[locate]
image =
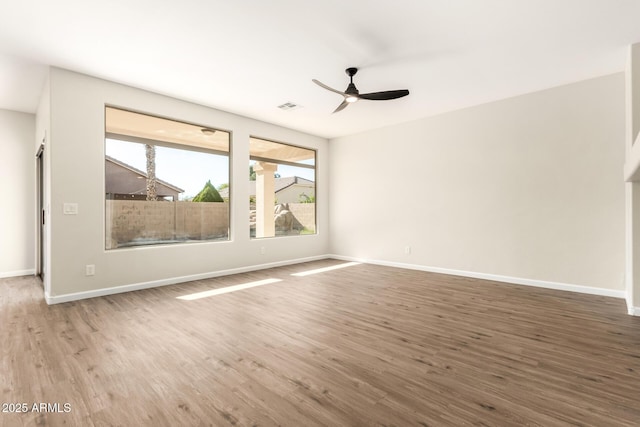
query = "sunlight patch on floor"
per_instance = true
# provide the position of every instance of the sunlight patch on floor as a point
(322, 270)
(228, 289)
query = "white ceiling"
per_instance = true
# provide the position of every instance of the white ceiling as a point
(248, 57)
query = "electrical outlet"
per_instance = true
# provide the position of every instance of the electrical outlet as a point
(407, 250)
(90, 270)
(263, 250)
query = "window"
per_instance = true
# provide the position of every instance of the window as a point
(283, 190)
(165, 181)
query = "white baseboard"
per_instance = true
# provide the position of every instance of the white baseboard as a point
(494, 277)
(17, 273)
(57, 299)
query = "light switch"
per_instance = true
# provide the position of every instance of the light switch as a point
(70, 209)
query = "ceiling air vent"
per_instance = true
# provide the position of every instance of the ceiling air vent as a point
(289, 106)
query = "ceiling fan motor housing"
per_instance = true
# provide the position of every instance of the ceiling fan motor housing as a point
(352, 90)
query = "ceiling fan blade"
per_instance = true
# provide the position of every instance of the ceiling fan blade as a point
(341, 106)
(327, 87)
(383, 96)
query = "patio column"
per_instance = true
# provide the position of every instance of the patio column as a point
(265, 198)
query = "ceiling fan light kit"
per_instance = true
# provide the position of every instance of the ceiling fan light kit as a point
(351, 94)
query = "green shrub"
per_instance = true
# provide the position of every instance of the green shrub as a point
(208, 194)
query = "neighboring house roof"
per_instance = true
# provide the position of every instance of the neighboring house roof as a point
(279, 185)
(282, 183)
(141, 173)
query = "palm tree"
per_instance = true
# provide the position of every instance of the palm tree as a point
(150, 151)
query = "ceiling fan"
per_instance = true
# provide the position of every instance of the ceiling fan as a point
(351, 94)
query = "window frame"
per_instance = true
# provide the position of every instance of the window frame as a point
(179, 146)
(314, 167)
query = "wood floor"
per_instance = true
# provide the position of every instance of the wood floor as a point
(359, 346)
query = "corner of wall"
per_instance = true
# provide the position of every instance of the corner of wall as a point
(631, 309)
(632, 176)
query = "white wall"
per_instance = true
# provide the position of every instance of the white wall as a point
(632, 175)
(76, 150)
(526, 188)
(17, 186)
(529, 187)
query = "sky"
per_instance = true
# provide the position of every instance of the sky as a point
(189, 170)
